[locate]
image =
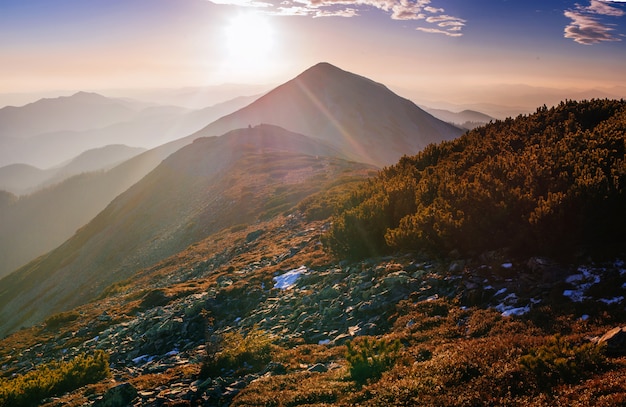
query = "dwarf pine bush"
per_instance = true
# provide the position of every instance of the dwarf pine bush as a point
(52, 379)
(240, 352)
(368, 359)
(559, 361)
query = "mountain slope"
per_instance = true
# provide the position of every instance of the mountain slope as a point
(361, 118)
(553, 182)
(23, 178)
(210, 185)
(390, 127)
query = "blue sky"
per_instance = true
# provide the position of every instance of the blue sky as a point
(424, 45)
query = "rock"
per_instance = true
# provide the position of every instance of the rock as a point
(395, 279)
(119, 396)
(614, 340)
(318, 368)
(153, 299)
(456, 266)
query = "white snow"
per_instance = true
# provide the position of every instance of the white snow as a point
(500, 291)
(143, 359)
(289, 279)
(614, 300)
(516, 311)
(506, 265)
(581, 282)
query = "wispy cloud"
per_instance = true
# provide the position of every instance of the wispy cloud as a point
(408, 10)
(588, 25)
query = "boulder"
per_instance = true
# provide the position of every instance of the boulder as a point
(614, 340)
(119, 396)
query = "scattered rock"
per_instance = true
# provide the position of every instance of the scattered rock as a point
(318, 368)
(614, 340)
(119, 396)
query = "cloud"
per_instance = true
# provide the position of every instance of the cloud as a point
(406, 10)
(587, 26)
(603, 7)
(449, 33)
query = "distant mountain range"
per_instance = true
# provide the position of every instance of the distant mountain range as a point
(466, 118)
(51, 131)
(23, 178)
(334, 112)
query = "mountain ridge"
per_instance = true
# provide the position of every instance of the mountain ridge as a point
(376, 126)
(107, 186)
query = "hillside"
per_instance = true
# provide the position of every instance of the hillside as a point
(259, 312)
(548, 183)
(261, 315)
(212, 184)
(390, 127)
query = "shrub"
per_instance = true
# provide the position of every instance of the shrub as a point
(368, 358)
(54, 378)
(57, 320)
(559, 361)
(239, 352)
(551, 182)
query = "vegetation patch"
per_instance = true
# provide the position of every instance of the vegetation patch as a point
(53, 379)
(369, 358)
(238, 352)
(558, 361)
(548, 183)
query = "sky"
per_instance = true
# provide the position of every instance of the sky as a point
(437, 49)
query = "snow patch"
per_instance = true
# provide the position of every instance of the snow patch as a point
(506, 265)
(289, 279)
(516, 311)
(500, 292)
(614, 300)
(581, 282)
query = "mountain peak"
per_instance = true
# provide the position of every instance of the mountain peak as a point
(83, 96)
(355, 115)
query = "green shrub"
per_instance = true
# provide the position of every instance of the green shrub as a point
(368, 359)
(57, 320)
(53, 379)
(551, 182)
(240, 353)
(559, 361)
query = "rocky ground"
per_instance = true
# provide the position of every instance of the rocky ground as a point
(274, 277)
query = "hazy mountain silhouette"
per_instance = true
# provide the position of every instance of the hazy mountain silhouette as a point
(80, 111)
(23, 178)
(214, 183)
(460, 118)
(47, 133)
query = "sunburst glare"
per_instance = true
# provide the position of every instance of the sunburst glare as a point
(249, 42)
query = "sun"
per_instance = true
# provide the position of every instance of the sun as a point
(248, 42)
